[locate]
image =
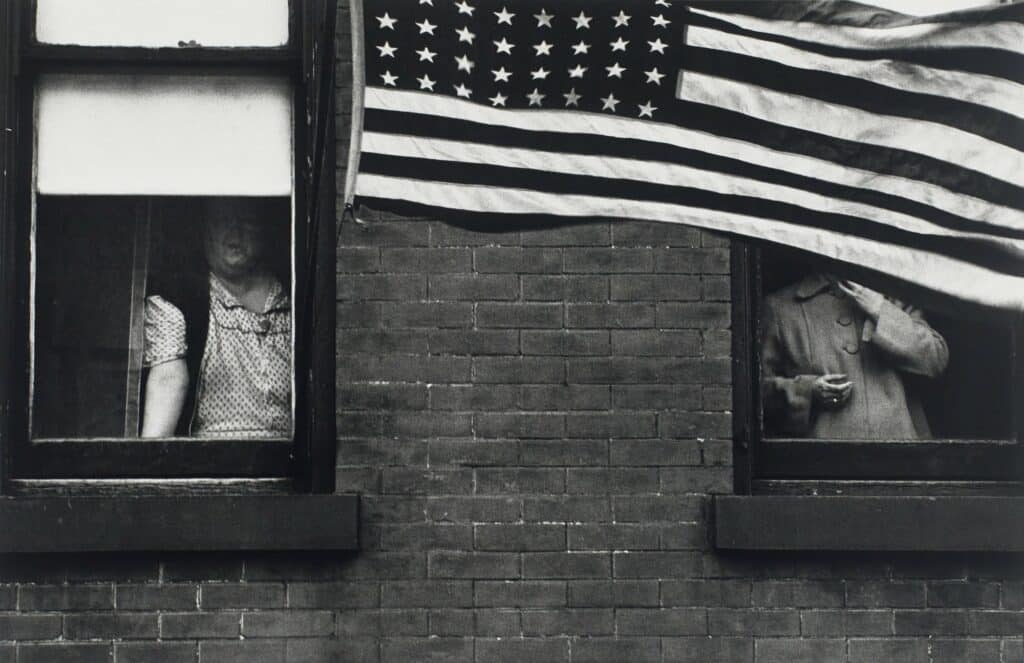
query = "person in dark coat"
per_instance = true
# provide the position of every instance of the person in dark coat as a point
(834, 354)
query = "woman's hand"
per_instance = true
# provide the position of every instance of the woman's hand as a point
(870, 301)
(832, 391)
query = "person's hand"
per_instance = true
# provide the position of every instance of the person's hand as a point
(870, 301)
(832, 391)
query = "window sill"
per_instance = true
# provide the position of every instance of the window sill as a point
(178, 523)
(910, 523)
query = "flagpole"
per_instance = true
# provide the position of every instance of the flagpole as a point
(358, 95)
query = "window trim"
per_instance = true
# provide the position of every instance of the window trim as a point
(308, 458)
(789, 461)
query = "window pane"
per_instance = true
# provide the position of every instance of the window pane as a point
(162, 317)
(158, 23)
(841, 359)
(164, 135)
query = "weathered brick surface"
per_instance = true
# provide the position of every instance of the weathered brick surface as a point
(536, 423)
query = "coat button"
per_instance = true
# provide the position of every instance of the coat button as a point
(852, 349)
(845, 320)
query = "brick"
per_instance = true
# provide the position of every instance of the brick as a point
(710, 480)
(190, 626)
(873, 594)
(652, 342)
(716, 343)
(564, 397)
(519, 316)
(607, 260)
(247, 595)
(1012, 650)
(427, 594)
(823, 594)
(563, 452)
(658, 508)
(685, 536)
(707, 650)
(931, 622)
(612, 424)
(384, 233)
(380, 341)
(963, 595)
(716, 398)
(709, 593)
(656, 397)
(517, 370)
(473, 342)
(642, 233)
(580, 234)
(527, 537)
(565, 288)
(695, 424)
(964, 651)
(874, 650)
(381, 396)
(425, 261)
(640, 370)
(427, 481)
(519, 594)
(9, 597)
(569, 621)
(348, 595)
(516, 650)
(666, 621)
(451, 622)
(404, 368)
(473, 398)
(535, 480)
(391, 509)
(427, 650)
(357, 260)
(567, 565)
(65, 653)
(692, 261)
(703, 315)
(29, 627)
(609, 316)
(759, 622)
(617, 536)
(164, 652)
(565, 342)
(287, 623)
(790, 650)
(39, 598)
(497, 623)
(617, 480)
(444, 234)
(1012, 595)
(360, 287)
(655, 453)
(994, 622)
(657, 564)
(427, 314)
(384, 566)
(715, 288)
(426, 536)
(473, 287)
(427, 424)
(662, 287)
(157, 597)
(473, 452)
(270, 651)
(358, 314)
(473, 509)
(106, 625)
(444, 564)
(613, 593)
(519, 425)
(518, 260)
(571, 508)
(616, 650)
(823, 623)
(716, 452)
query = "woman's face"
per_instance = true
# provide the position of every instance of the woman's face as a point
(234, 245)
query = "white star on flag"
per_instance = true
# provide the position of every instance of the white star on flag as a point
(654, 76)
(504, 46)
(504, 16)
(465, 64)
(622, 20)
(426, 54)
(426, 27)
(389, 78)
(500, 75)
(543, 19)
(615, 70)
(464, 8)
(543, 48)
(387, 50)
(609, 103)
(535, 97)
(647, 110)
(463, 91)
(582, 21)
(571, 98)
(426, 83)
(386, 22)
(498, 99)
(465, 35)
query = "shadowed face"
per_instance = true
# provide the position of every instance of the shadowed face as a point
(235, 242)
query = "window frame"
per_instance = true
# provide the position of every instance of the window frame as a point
(306, 462)
(868, 467)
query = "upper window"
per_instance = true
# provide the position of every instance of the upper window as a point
(165, 238)
(850, 375)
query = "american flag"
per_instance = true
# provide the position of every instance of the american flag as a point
(865, 136)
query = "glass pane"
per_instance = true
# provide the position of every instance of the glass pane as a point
(164, 135)
(157, 23)
(162, 317)
(841, 359)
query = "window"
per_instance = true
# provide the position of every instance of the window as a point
(830, 399)
(168, 243)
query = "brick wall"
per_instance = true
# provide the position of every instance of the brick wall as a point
(536, 422)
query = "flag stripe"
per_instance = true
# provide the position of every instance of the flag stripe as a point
(918, 136)
(998, 257)
(426, 136)
(932, 33)
(980, 59)
(876, 169)
(996, 93)
(973, 283)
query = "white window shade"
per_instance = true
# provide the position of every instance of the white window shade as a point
(164, 135)
(159, 23)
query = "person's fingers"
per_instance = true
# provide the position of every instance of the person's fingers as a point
(834, 377)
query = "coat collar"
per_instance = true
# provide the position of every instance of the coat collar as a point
(811, 285)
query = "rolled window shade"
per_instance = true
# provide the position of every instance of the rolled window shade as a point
(159, 23)
(164, 135)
